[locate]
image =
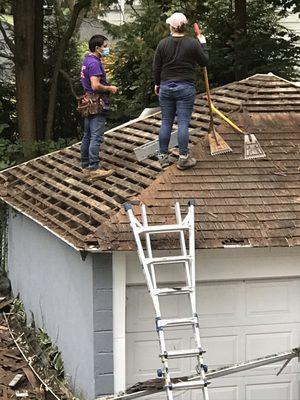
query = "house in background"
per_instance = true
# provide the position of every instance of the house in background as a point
(73, 261)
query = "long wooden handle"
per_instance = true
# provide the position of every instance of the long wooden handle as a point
(229, 122)
(206, 82)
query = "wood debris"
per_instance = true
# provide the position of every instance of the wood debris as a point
(22, 374)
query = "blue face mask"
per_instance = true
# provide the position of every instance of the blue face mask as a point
(105, 52)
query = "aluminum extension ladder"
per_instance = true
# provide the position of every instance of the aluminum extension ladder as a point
(149, 263)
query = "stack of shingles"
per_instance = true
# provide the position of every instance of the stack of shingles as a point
(17, 381)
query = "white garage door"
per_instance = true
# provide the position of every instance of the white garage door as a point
(239, 321)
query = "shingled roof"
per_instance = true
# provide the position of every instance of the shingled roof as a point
(252, 202)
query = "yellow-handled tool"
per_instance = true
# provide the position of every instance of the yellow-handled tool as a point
(252, 148)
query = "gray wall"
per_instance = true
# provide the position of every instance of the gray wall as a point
(103, 335)
(57, 286)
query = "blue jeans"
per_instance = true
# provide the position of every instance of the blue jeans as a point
(176, 97)
(91, 141)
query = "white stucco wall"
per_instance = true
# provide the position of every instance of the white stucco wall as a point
(57, 286)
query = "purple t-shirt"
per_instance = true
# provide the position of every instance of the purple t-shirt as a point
(92, 66)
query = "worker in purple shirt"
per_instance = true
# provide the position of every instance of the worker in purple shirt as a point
(93, 80)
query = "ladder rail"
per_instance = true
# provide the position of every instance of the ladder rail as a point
(182, 244)
(148, 244)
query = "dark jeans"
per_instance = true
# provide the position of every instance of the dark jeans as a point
(176, 97)
(92, 138)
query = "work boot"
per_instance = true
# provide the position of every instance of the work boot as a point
(163, 159)
(100, 173)
(185, 162)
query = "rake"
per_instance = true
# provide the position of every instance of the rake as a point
(252, 148)
(216, 143)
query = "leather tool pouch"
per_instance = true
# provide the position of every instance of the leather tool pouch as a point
(90, 105)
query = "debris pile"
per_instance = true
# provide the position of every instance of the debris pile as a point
(25, 371)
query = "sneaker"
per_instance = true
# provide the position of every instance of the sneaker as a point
(186, 162)
(163, 159)
(100, 173)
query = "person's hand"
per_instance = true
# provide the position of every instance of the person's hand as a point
(156, 90)
(113, 89)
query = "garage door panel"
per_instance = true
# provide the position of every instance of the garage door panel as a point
(223, 393)
(217, 305)
(271, 391)
(271, 302)
(220, 350)
(267, 343)
(142, 315)
(143, 359)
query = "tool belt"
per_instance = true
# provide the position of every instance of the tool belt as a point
(91, 104)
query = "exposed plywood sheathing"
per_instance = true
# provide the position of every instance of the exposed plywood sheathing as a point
(256, 200)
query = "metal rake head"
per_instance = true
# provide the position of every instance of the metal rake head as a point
(252, 148)
(217, 144)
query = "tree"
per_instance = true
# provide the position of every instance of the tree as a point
(244, 38)
(262, 46)
(27, 48)
(28, 59)
(62, 46)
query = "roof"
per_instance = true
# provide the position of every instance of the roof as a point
(255, 201)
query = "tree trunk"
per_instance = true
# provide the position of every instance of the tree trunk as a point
(240, 9)
(38, 68)
(28, 56)
(24, 64)
(62, 45)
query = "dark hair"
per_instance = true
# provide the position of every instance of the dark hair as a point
(96, 40)
(181, 28)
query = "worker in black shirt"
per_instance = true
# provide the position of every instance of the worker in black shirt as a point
(175, 61)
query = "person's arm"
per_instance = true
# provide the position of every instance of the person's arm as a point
(201, 51)
(157, 65)
(96, 85)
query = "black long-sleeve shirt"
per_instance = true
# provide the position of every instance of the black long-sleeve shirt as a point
(176, 59)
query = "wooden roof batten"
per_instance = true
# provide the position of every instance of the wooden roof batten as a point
(259, 197)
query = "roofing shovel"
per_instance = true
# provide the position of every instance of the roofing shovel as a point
(252, 148)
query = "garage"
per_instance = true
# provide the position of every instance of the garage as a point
(239, 320)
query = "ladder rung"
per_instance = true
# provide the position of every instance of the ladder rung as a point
(163, 323)
(168, 260)
(182, 353)
(171, 291)
(163, 228)
(187, 385)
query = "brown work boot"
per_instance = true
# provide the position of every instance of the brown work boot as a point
(185, 162)
(100, 173)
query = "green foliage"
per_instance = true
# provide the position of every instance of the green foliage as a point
(51, 352)
(67, 123)
(8, 119)
(267, 46)
(131, 68)
(13, 152)
(19, 310)
(285, 6)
